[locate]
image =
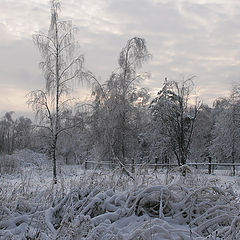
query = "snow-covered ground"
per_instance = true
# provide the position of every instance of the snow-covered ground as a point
(106, 204)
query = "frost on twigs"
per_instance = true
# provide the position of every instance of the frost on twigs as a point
(185, 175)
(160, 229)
(95, 214)
(95, 207)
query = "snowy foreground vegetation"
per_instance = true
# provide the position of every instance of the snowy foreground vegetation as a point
(107, 204)
(122, 123)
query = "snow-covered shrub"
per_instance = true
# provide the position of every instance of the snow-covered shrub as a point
(185, 175)
(102, 205)
(27, 157)
(8, 164)
(160, 229)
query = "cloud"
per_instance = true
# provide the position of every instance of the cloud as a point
(13, 99)
(19, 65)
(23, 18)
(185, 37)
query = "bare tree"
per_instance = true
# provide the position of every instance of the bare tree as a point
(175, 116)
(203, 134)
(114, 102)
(7, 133)
(61, 64)
(226, 132)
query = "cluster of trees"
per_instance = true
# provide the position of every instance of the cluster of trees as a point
(15, 133)
(123, 122)
(136, 126)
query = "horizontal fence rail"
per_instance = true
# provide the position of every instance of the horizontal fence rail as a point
(210, 165)
(164, 164)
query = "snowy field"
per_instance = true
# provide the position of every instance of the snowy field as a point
(106, 204)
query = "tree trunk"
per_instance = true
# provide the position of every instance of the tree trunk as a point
(233, 159)
(57, 108)
(54, 160)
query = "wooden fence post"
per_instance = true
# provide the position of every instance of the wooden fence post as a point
(209, 165)
(156, 161)
(132, 163)
(234, 170)
(85, 164)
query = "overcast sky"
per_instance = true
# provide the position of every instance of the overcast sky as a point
(185, 37)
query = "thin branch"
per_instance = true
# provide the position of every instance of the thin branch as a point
(45, 36)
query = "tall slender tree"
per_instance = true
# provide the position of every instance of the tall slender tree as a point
(7, 133)
(61, 64)
(115, 100)
(226, 132)
(175, 116)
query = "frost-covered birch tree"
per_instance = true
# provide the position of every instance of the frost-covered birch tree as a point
(202, 135)
(61, 64)
(114, 102)
(175, 117)
(7, 133)
(226, 132)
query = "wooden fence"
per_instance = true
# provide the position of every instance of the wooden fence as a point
(208, 165)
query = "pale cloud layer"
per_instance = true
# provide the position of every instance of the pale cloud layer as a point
(185, 37)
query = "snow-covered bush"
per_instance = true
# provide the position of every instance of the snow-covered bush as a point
(27, 157)
(102, 205)
(185, 175)
(8, 164)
